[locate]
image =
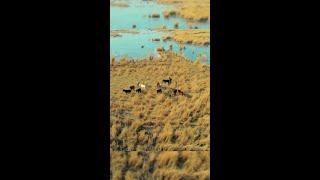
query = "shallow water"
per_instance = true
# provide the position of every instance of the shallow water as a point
(129, 45)
(137, 14)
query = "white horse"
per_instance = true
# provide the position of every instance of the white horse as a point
(142, 86)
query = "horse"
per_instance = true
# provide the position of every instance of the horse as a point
(142, 86)
(175, 91)
(180, 92)
(138, 90)
(167, 80)
(132, 87)
(127, 91)
(159, 91)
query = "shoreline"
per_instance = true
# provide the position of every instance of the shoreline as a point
(162, 55)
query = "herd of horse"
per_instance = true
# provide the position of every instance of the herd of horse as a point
(159, 90)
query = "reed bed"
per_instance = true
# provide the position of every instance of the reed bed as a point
(189, 36)
(192, 10)
(149, 121)
(165, 165)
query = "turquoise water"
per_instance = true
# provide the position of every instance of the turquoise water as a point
(129, 45)
(137, 14)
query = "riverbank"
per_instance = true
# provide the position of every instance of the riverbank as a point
(149, 121)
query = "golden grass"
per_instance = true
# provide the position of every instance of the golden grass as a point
(115, 34)
(189, 36)
(192, 10)
(168, 165)
(119, 4)
(151, 121)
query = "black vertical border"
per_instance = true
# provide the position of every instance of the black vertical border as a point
(216, 98)
(102, 24)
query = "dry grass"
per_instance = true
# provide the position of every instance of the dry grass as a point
(189, 36)
(119, 4)
(169, 165)
(193, 10)
(115, 34)
(161, 122)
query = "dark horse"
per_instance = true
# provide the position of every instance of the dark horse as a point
(167, 80)
(132, 87)
(127, 91)
(175, 91)
(138, 90)
(180, 92)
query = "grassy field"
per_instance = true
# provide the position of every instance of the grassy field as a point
(149, 121)
(165, 165)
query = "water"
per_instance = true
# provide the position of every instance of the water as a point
(130, 45)
(137, 14)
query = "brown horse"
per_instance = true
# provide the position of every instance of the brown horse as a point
(180, 92)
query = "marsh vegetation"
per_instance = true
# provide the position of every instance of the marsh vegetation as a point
(151, 121)
(192, 10)
(167, 165)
